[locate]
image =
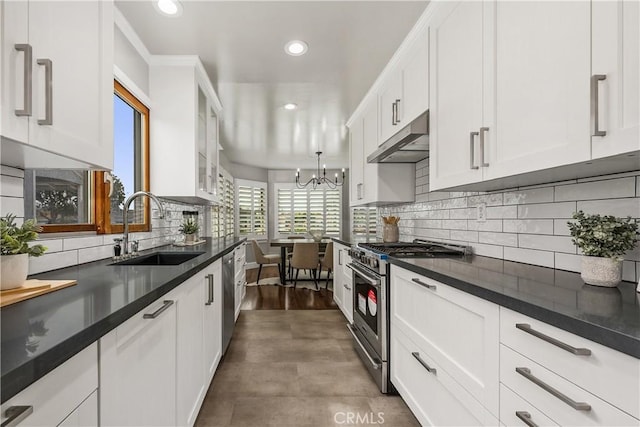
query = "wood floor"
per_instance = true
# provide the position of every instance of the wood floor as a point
(296, 368)
(276, 297)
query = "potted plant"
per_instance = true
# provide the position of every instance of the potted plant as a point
(16, 250)
(603, 239)
(190, 229)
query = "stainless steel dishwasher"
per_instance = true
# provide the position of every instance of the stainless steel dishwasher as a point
(228, 296)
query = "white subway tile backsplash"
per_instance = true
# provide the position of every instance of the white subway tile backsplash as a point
(465, 236)
(454, 224)
(617, 207)
(52, 245)
(52, 261)
(82, 242)
(488, 225)
(10, 171)
(504, 239)
(534, 195)
(533, 226)
(12, 205)
(494, 199)
(502, 212)
(629, 271)
(594, 190)
(560, 227)
(463, 213)
(493, 251)
(547, 243)
(11, 186)
(604, 177)
(547, 210)
(529, 256)
(569, 262)
(94, 254)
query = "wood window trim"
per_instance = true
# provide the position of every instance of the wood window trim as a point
(103, 205)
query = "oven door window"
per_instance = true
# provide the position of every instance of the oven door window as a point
(366, 302)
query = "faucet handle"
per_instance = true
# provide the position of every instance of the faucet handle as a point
(134, 247)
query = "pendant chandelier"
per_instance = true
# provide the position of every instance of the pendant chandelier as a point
(318, 179)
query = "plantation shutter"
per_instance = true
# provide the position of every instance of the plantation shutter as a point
(229, 207)
(333, 212)
(364, 220)
(252, 208)
(302, 210)
(285, 204)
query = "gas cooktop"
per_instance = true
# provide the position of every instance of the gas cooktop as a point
(418, 249)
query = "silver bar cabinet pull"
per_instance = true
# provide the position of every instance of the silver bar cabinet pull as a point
(16, 414)
(483, 130)
(578, 406)
(423, 363)
(472, 162)
(526, 418)
(209, 278)
(595, 115)
(28, 79)
(397, 109)
(426, 285)
(166, 304)
(525, 327)
(394, 111)
(48, 91)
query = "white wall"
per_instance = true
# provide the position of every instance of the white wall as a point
(526, 224)
(130, 62)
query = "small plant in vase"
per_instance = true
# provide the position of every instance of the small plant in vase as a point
(603, 239)
(190, 229)
(15, 250)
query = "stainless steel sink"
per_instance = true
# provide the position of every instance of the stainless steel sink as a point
(160, 258)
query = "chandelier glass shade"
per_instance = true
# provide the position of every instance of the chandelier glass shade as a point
(320, 178)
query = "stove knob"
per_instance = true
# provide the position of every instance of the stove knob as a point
(374, 263)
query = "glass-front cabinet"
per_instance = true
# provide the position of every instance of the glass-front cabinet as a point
(184, 130)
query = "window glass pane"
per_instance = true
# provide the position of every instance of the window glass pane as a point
(364, 220)
(127, 161)
(55, 197)
(304, 210)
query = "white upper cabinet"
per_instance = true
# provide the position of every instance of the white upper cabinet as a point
(356, 163)
(615, 43)
(57, 84)
(455, 113)
(405, 92)
(530, 92)
(184, 130)
(537, 83)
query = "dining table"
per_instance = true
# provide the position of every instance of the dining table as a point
(285, 244)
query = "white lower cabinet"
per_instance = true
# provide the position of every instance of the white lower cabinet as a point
(435, 398)
(458, 330)
(138, 368)
(240, 277)
(65, 396)
(342, 280)
(515, 411)
(212, 331)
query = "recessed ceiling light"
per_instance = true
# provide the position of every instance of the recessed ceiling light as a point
(168, 7)
(290, 106)
(296, 48)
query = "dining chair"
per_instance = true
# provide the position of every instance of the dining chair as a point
(290, 252)
(305, 256)
(327, 262)
(263, 259)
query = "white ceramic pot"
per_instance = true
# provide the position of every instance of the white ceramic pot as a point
(190, 238)
(13, 270)
(390, 233)
(600, 271)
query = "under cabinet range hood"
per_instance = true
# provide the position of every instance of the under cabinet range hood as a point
(408, 145)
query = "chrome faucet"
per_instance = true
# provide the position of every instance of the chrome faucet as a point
(127, 203)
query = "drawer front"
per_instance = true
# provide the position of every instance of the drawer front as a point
(535, 390)
(60, 392)
(515, 411)
(435, 398)
(460, 331)
(607, 373)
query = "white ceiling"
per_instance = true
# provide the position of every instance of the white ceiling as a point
(241, 44)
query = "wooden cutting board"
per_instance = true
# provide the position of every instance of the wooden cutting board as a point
(32, 288)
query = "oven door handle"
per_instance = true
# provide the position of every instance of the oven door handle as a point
(371, 279)
(374, 363)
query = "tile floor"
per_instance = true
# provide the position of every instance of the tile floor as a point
(296, 368)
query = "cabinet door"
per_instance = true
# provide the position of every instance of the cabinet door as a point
(390, 99)
(14, 18)
(191, 384)
(415, 79)
(212, 144)
(370, 137)
(347, 298)
(85, 415)
(455, 81)
(540, 85)
(615, 41)
(77, 37)
(202, 142)
(212, 331)
(356, 161)
(138, 369)
(338, 257)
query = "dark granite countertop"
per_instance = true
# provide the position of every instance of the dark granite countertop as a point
(41, 333)
(354, 239)
(608, 316)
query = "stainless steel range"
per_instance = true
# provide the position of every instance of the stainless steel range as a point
(370, 270)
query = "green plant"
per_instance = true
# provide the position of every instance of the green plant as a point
(603, 235)
(190, 226)
(15, 239)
